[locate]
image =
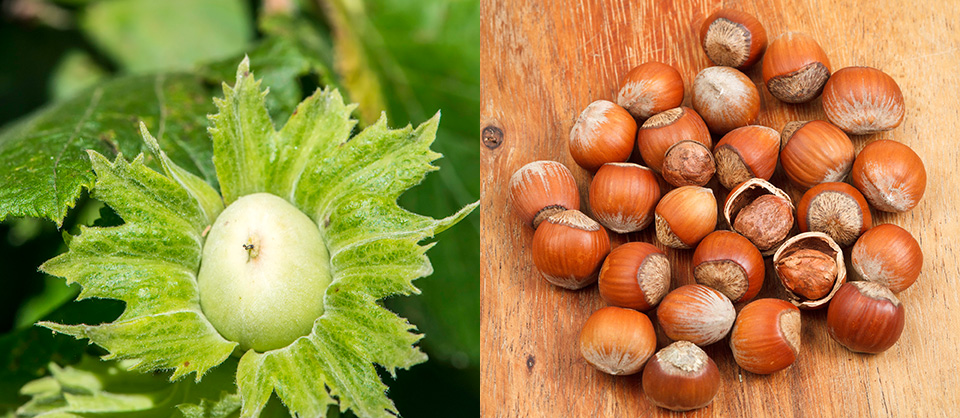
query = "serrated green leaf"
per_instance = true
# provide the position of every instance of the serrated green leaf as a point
(149, 35)
(44, 155)
(150, 262)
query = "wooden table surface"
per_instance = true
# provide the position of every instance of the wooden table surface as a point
(544, 61)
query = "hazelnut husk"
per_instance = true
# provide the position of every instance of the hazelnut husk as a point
(688, 163)
(760, 212)
(803, 265)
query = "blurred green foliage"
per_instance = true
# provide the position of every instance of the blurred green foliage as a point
(411, 57)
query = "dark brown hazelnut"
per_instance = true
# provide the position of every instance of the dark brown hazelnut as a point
(688, 163)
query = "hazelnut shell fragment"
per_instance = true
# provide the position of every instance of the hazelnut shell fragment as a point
(815, 241)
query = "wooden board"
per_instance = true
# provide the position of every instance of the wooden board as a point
(544, 61)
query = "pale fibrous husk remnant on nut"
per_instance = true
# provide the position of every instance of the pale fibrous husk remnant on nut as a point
(745, 194)
(816, 241)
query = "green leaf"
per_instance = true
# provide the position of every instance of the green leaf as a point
(75, 72)
(150, 262)
(149, 35)
(44, 155)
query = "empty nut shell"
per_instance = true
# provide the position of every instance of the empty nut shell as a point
(802, 264)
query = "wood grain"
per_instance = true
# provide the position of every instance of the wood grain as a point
(544, 61)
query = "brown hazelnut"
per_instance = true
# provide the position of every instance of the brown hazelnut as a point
(890, 175)
(745, 153)
(617, 341)
(803, 265)
(730, 263)
(863, 100)
(635, 275)
(889, 255)
(696, 313)
(766, 336)
(836, 209)
(650, 88)
(681, 377)
(795, 68)
(688, 163)
(623, 196)
(569, 248)
(865, 317)
(604, 133)
(760, 212)
(733, 38)
(815, 152)
(685, 215)
(666, 128)
(541, 189)
(725, 98)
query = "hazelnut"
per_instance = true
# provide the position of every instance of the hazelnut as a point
(725, 98)
(766, 336)
(766, 221)
(666, 128)
(623, 196)
(803, 265)
(617, 341)
(730, 263)
(685, 215)
(890, 175)
(863, 100)
(681, 377)
(795, 68)
(836, 209)
(569, 248)
(650, 88)
(815, 152)
(733, 38)
(808, 273)
(889, 255)
(696, 313)
(745, 153)
(688, 163)
(760, 212)
(635, 275)
(541, 189)
(604, 133)
(865, 317)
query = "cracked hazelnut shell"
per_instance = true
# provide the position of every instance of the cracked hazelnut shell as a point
(766, 223)
(790, 268)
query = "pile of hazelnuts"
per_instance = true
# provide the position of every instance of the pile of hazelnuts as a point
(572, 250)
